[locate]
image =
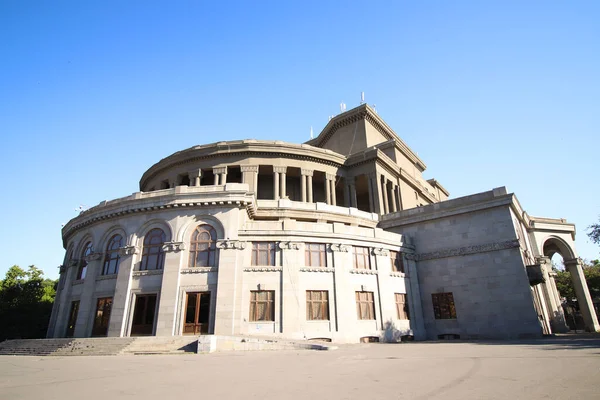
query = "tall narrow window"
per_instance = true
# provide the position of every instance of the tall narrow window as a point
(317, 305)
(402, 306)
(361, 257)
(315, 255)
(72, 318)
(365, 306)
(203, 247)
(397, 261)
(111, 257)
(87, 250)
(153, 256)
(263, 253)
(262, 305)
(443, 305)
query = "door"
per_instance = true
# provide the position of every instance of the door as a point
(72, 319)
(197, 312)
(143, 315)
(102, 317)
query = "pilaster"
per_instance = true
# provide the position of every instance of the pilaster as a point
(345, 301)
(290, 283)
(169, 292)
(229, 285)
(64, 298)
(250, 176)
(118, 322)
(85, 320)
(413, 295)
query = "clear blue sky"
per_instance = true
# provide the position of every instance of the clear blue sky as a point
(488, 93)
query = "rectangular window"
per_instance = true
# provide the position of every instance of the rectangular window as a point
(443, 305)
(263, 253)
(317, 305)
(315, 255)
(402, 306)
(361, 257)
(365, 306)
(262, 305)
(397, 261)
(102, 317)
(81, 271)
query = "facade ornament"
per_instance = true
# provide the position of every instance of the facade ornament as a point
(72, 263)
(280, 169)
(249, 168)
(289, 245)
(542, 260)
(219, 170)
(380, 251)
(263, 269)
(93, 257)
(62, 268)
(306, 172)
(330, 177)
(128, 251)
(168, 247)
(316, 269)
(462, 251)
(339, 247)
(231, 244)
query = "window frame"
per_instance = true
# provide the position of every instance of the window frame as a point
(402, 310)
(321, 303)
(210, 250)
(321, 250)
(112, 254)
(369, 303)
(444, 306)
(83, 264)
(147, 248)
(365, 253)
(271, 250)
(269, 315)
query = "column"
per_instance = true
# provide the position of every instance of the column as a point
(220, 175)
(353, 201)
(216, 181)
(195, 177)
(383, 188)
(393, 199)
(64, 299)
(282, 176)
(118, 316)
(275, 184)
(556, 317)
(229, 287)
(583, 294)
(333, 194)
(413, 296)
(397, 196)
(308, 173)
(303, 187)
(250, 177)
(87, 303)
(373, 198)
(169, 291)
(330, 189)
(344, 310)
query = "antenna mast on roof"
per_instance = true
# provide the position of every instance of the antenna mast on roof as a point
(342, 107)
(362, 97)
(311, 133)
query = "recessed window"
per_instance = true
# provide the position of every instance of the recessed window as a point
(153, 256)
(361, 259)
(397, 261)
(82, 270)
(365, 306)
(402, 306)
(203, 247)
(263, 253)
(102, 317)
(111, 257)
(317, 305)
(443, 305)
(262, 305)
(315, 255)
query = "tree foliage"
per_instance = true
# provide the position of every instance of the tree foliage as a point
(25, 303)
(591, 270)
(594, 233)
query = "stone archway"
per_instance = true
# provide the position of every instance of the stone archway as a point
(573, 264)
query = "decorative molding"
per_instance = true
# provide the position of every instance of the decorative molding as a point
(289, 245)
(398, 274)
(147, 272)
(231, 244)
(263, 269)
(364, 271)
(219, 170)
(330, 177)
(77, 282)
(168, 247)
(249, 168)
(380, 252)
(307, 172)
(128, 251)
(280, 169)
(93, 257)
(571, 261)
(410, 256)
(72, 263)
(463, 251)
(198, 270)
(317, 269)
(106, 277)
(339, 247)
(542, 260)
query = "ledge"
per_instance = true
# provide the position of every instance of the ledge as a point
(263, 269)
(106, 277)
(198, 270)
(317, 269)
(364, 271)
(147, 272)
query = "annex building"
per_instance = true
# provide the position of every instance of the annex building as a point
(340, 238)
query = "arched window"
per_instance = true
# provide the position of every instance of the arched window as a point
(87, 250)
(153, 256)
(111, 257)
(203, 247)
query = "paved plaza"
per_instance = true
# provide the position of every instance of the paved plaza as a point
(561, 368)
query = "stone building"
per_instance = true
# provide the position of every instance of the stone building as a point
(340, 238)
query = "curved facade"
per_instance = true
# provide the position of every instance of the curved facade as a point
(335, 239)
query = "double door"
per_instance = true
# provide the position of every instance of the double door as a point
(197, 313)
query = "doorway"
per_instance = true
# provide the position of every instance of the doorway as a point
(143, 315)
(197, 312)
(102, 317)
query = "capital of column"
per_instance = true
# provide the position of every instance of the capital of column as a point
(168, 247)
(280, 169)
(197, 173)
(339, 247)
(306, 172)
(330, 177)
(93, 257)
(249, 168)
(220, 170)
(231, 244)
(573, 261)
(128, 251)
(289, 245)
(380, 252)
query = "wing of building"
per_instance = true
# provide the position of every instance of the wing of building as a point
(340, 238)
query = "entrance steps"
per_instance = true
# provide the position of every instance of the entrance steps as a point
(65, 347)
(162, 345)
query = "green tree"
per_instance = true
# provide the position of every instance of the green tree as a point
(25, 303)
(591, 270)
(594, 233)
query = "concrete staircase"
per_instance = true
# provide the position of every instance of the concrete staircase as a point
(162, 345)
(33, 347)
(65, 347)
